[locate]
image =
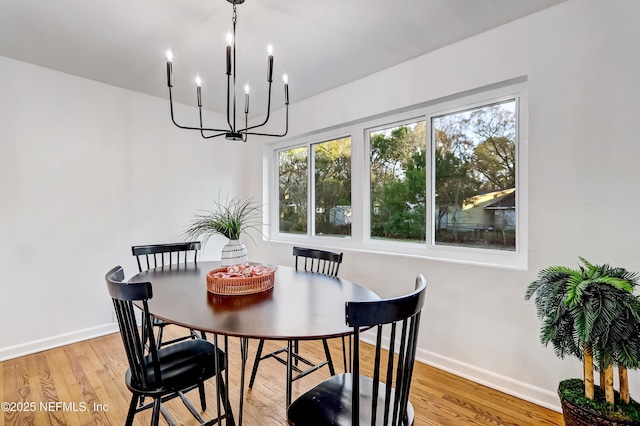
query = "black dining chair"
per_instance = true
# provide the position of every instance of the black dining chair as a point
(313, 260)
(354, 399)
(167, 373)
(167, 255)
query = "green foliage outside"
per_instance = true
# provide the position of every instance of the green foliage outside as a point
(333, 187)
(398, 183)
(292, 173)
(473, 154)
(332, 178)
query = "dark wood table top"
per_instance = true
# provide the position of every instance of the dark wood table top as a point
(302, 305)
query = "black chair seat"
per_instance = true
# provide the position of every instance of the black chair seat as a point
(331, 403)
(181, 365)
(165, 373)
(352, 399)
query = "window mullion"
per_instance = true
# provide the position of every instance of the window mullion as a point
(311, 191)
(430, 198)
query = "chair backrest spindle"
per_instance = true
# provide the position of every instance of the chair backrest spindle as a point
(321, 261)
(401, 316)
(160, 255)
(123, 294)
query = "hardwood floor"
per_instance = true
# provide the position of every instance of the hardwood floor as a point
(83, 384)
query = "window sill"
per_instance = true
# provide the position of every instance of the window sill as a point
(512, 260)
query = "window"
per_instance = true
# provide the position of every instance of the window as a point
(443, 180)
(331, 183)
(292, 176)
(332, 187)
(474, 154)
(397, 165)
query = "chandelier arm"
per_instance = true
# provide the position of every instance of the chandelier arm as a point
(201, 130)
(189, 127)
(213, 136)
(279, 135)
(266, 118)
(246, 121)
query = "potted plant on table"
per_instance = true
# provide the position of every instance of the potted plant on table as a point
(591, 313)
(231, 219)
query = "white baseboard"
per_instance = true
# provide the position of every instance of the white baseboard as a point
(56, 341)
(493, 380)
(501, 383)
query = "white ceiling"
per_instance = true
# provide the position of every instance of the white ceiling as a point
(321, 44)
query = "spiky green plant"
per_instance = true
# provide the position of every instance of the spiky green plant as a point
(591, 313)
(229, 218)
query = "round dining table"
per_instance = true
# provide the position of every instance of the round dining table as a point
(301, 306)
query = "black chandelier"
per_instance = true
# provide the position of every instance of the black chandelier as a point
(232, 132)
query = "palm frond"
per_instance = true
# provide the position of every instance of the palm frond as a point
(594, 305)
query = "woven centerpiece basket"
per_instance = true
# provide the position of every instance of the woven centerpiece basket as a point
(221, 281)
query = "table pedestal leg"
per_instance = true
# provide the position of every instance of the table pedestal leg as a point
(244, 353)
(289, 374)
(219, 391)
(229, 416)
(219, 398)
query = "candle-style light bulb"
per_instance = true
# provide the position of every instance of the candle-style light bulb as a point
(169, 67)
(270, 63)
(199, 89)
(246, 98)
(229, 43)
(285, 78)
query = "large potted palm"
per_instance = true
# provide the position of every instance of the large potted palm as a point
(591, 313)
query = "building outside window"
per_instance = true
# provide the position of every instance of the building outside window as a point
(474, 157)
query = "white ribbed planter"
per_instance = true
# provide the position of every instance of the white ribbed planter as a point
(234, 253)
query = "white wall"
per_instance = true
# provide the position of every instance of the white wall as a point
(582, 62)
(86, 171)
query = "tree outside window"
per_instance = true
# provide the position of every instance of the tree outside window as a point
(332, 173)
(292, 179)
(331, 196)
(398, 182)
(475, 177)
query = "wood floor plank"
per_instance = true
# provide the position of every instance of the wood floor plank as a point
(93, 372)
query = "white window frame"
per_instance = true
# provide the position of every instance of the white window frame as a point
(360, 191)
